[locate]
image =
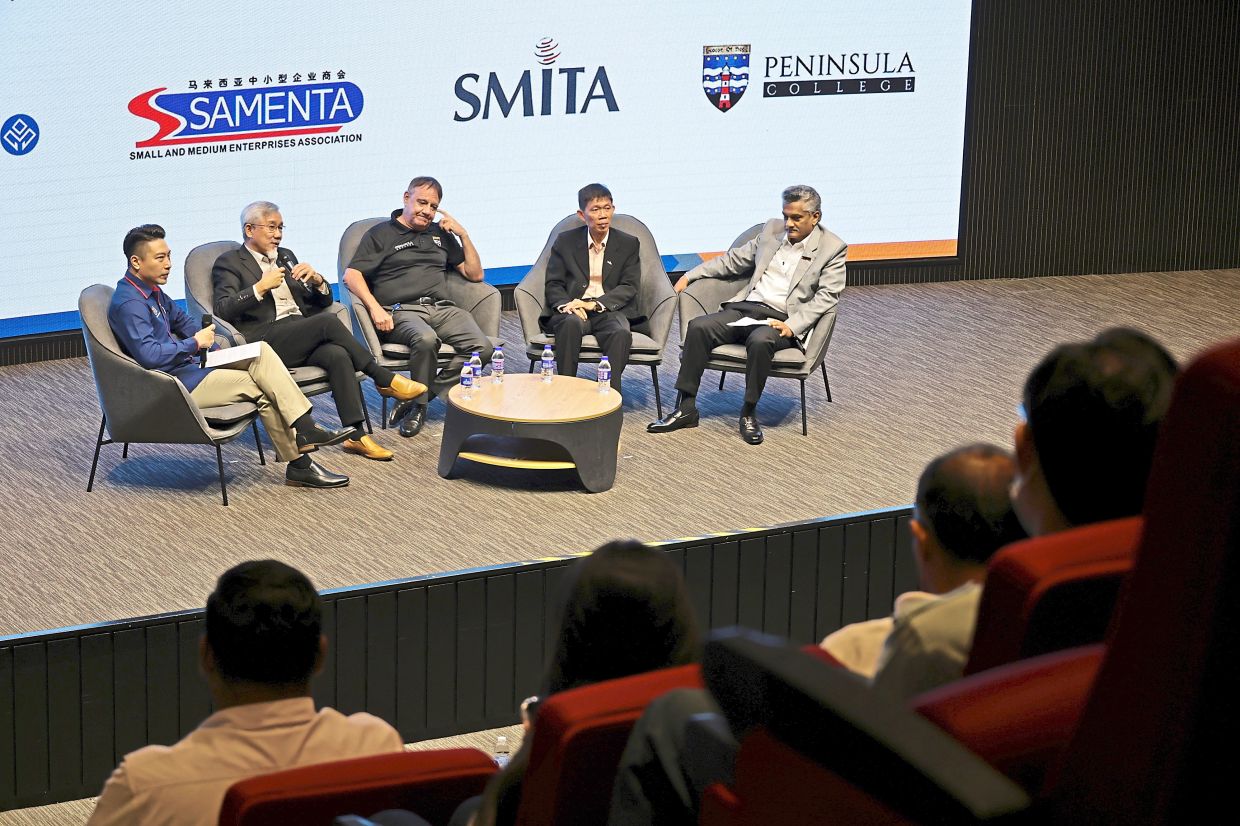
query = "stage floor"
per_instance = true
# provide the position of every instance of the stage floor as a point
(915, 370)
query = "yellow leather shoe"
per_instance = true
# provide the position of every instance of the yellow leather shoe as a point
(369, 448)
(403, 389)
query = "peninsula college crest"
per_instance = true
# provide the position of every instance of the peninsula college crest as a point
(725, 74)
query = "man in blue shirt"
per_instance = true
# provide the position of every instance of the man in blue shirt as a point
(159, 335)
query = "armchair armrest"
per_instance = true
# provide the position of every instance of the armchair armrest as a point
(479, 299)
(704, 296)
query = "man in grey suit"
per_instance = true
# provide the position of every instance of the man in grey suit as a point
(796, 274)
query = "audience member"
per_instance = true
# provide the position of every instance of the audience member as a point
(625, 610)
(263, 642)
(962, 514)
(1083, 454)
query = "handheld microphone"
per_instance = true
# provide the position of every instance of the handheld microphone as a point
(285, 263)
(207, 321)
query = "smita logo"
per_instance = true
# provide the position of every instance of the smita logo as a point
(540, 91)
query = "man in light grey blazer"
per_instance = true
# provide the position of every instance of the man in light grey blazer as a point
(796, 274)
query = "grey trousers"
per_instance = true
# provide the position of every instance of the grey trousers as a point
(422, 328)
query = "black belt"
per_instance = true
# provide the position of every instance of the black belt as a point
(424, 301)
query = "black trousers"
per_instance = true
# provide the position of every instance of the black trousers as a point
(707, 332)
(611, 329)
(322, 341)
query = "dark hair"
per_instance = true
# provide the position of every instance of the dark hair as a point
(964, 498)
(589, 192)
(139, 237)
(625, 611)
(426, 180)
(264, 620)
(1094, 410)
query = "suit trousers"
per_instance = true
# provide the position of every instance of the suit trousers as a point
(265, 382)
(707, 332)
(422, 327)
(611, 329)
(322, 341)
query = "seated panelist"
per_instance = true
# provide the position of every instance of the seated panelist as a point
(593, 279)
(399, 273)
(266, 293)
(155, 332)
(794, 273)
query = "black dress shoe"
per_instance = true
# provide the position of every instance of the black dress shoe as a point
(674, 421)
(751, 431)
(400, 411)
(412, 424)
(314, 476)
(318, 437)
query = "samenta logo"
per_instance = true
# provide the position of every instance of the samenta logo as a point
(546, 91)
(235, 114)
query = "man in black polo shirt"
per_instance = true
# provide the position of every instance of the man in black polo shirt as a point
(399, 273)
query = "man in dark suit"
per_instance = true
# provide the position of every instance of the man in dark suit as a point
(262, 290)
(593, 278)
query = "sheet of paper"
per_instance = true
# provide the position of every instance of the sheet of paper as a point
(237, 357)
(747, 322)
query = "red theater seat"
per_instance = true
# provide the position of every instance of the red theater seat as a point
(578, 740)
(1152, 727)
(1052, 592)
(431, 783)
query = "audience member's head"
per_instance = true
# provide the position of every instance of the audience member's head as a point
(1092, 413)
(264, 632)
(963, 515)
(626, 610)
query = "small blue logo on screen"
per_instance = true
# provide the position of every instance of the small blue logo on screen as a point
(20, 134)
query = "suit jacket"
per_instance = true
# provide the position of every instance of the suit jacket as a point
(234, 275)
(568, 273)
(816, 282)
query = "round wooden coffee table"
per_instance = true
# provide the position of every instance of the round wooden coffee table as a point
(526, 423)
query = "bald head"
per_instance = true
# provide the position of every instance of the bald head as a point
(964, 505)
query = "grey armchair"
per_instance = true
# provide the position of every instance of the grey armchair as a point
(706, 294)
(200, 301)
(479, 298)
(143, 406)
(656, 300)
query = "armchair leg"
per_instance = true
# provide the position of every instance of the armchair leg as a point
(90, 484)
(383, 412)
(125, 451)
(262, 460)
(804, 419)
(366, 415)
(658, 400)
(531, 365)
(723, 374)
(826, 383)
(219, 462)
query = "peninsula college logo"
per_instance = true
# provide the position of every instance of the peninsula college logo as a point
(725, 74)
(205, 118)
(542, 91)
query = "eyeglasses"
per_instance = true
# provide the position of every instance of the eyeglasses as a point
(268, 227)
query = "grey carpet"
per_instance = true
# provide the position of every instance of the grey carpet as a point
(915, 370)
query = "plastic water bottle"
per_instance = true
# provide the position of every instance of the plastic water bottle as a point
(548, 364)
(604, 375)
(501, 751)
(467, 382)
(497, 366)
(475, 364)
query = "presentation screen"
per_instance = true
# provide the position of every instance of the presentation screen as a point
(695, 114)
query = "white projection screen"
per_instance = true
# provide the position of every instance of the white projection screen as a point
(695, 114)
